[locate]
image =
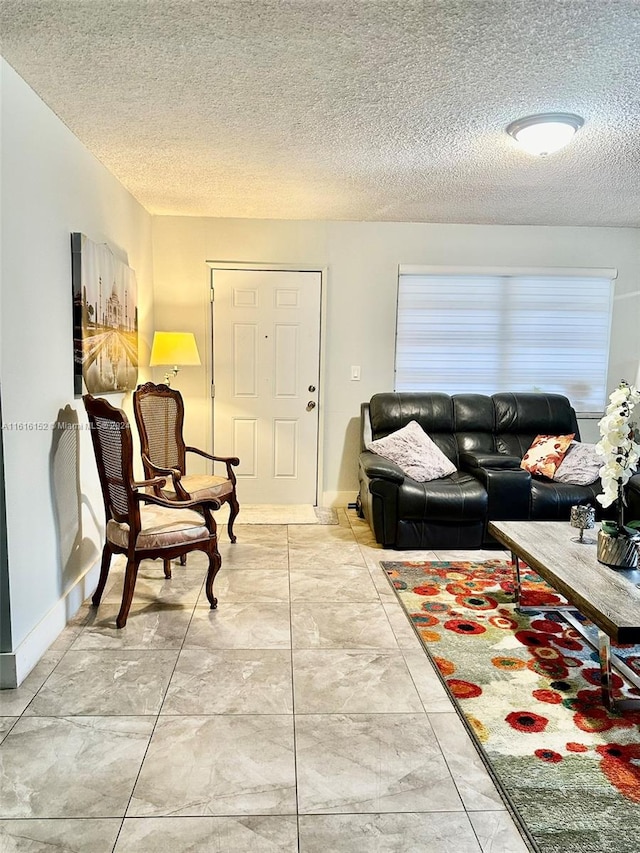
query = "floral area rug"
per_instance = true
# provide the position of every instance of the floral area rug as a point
(528, 688)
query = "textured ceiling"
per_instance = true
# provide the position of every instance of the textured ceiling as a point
(357, 109)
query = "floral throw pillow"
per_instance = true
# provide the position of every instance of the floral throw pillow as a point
(580, 466)
(413, 451)
(546, 453)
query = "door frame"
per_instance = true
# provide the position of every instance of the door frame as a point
(261, 266)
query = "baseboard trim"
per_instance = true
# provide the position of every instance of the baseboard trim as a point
(336, 500)
(16, 665)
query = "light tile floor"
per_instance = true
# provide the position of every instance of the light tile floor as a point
(301, 716)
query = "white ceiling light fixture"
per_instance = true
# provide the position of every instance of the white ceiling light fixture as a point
(545, 133)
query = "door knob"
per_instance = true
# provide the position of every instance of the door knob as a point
(310, 405)
(312, 388)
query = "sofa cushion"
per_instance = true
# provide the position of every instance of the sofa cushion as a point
(459, 498)
(580, 466)
(521, 416)
(551, 501)
(414, 452)
(545, 454)
(473, 421)
(389, 411)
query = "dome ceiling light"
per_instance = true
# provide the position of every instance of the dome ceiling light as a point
(545, 133)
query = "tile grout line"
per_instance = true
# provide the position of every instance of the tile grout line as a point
(425, 712)
(293, 695)
(157, 720)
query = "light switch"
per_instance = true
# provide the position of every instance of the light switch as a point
(355, 372)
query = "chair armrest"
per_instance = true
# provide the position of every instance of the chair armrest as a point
(375, 466)
(470, 461)
(175, 475)
(229, 460)
(155, 481)
(208, 503)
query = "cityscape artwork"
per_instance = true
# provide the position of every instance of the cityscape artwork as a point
(105, 319)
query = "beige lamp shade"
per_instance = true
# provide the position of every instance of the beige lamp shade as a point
(174, 348)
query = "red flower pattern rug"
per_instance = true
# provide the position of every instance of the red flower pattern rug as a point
(528, 688)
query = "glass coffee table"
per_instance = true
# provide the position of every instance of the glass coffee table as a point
(609, 598)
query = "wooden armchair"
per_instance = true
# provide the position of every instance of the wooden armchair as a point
(159, 412)
(162, 530)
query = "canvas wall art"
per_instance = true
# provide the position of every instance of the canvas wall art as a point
(105, 319)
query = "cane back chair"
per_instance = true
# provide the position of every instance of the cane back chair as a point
(159, 412)
(162, 530)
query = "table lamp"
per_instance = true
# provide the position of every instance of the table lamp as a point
(177, 349)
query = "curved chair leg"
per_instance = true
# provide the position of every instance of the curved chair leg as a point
(183, 559)
(104, 574)
(234, 509)
(215, 561)
(167, 568)
(130, 575)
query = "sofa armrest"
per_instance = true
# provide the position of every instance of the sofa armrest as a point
(471, 461)
(509, 492)
(375, 466)
(633, 498)
(365, 427)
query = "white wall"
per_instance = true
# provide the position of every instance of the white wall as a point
(51, 185)
(362, 261)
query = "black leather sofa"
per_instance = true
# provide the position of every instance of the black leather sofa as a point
(632, 512)
(486, 438)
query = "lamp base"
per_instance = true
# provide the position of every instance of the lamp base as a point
(169, 375)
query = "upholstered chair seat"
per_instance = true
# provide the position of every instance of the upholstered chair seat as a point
(160, 528)
(201, 487)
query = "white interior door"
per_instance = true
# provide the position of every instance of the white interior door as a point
(266, 369)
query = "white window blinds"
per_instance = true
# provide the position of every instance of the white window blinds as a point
(488, 333)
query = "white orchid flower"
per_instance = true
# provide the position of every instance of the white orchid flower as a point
(618, 446)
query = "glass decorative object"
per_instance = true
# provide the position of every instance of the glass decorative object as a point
(584, 518)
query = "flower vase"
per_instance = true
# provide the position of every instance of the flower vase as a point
(618, 550)
(618, 547)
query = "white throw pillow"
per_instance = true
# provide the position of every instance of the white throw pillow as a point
(580, 466)
(413, 451)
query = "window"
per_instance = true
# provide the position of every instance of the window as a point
(511, 331)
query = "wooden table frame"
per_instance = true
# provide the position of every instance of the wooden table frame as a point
(609, 598)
